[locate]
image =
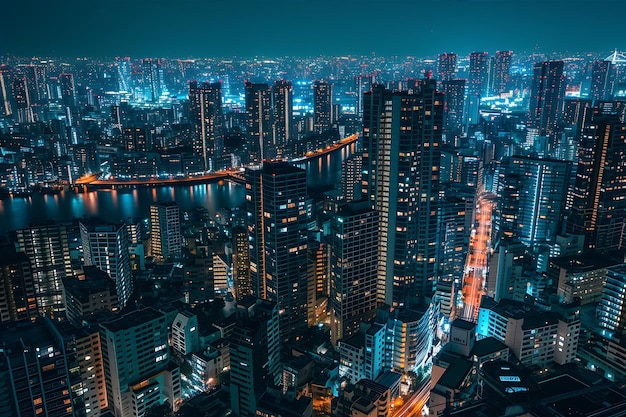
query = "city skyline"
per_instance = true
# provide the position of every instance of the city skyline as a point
(208, 29)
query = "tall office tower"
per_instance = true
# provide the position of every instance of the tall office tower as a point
(37, 372)
(477, 84)
(241, 262)
(254, 354)
(166, 241)
(106, 246)
(282, 112)
(46, 246)
(455, 223)
(17, 290)
(135, 354)
(501, 72)
(152, 79)
(5, 91)
(598, 203)
(276, 196)
(401, 159)
(258, 108)
(533, 198)
(37, 83)
(454, 101)
(205, 111)
(323, 117)
(68, 90)
(353, 263)
(125, 82)
(362, 83)
(446, 66)
(22, 100)
(612, 308)
(351, 174)
(547, 93)
(603, 77)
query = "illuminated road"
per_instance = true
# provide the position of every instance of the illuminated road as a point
(415, 403)
(475, 273)
(92, 180)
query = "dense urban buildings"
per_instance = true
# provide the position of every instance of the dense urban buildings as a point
(326, 236)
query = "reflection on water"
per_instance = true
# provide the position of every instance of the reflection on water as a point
(116, 205)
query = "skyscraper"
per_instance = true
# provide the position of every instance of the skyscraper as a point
(38, 372)
(598, 197)
(401, 158)
(477, 84)
(258, 108)
(612, 307)
(532, 203)
(106, 246)
(446, 66)
(22, 100)
(152, 79)
(323, 117)
(136, 355)
(276, 196)
(454, 101)
(68, 90)
(282, 110)
(603, 74)
(165, 237)
(46, 246)
(205, 108)
(17, 290)
(254, 354)
(547, 93)
(353, 263)
(241, 262)
(501, 72)
(5, 91)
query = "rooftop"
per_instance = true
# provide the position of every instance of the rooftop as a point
(133, 319)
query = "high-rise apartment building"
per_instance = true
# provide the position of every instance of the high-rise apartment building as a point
(446, 66)
(500, 72)
(17, 290)
(402, 135)
(46, 246)
(37, 370)
(282, 115)
(241, 262)
(477, 84)
(598, 203)
(88, 292)
(152, 79)
(454, 106)
(612, 307)
(254, 354)
(136, 354)
(323, 116)
(205, 108)
(106, 246)
(547, 93)
(258, 109)
(603, 77)
(353, 267)
(165, 237)
(276, 195)
(21, 98)
(533, 194)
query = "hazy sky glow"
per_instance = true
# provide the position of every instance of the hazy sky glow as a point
(203, 28)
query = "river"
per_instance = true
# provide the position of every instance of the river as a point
(122, 204)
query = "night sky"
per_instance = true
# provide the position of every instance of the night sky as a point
(245, 28)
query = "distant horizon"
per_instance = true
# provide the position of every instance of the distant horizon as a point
(289, 56)
(297, 28)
